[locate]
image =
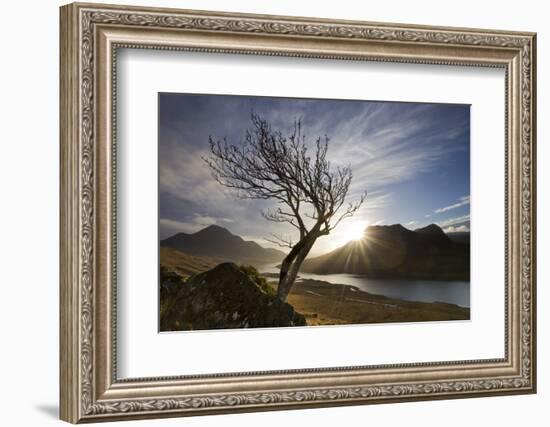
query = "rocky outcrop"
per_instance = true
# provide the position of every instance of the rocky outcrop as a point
(224, 297)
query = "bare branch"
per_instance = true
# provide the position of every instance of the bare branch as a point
(281, 216)
(280, 240)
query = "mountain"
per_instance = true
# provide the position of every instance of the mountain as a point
(460, 236)
(395, 252)
(218, 243)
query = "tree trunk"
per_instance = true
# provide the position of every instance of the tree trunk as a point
(282, 288)
(291, 266)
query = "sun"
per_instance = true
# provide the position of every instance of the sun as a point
(355, 231)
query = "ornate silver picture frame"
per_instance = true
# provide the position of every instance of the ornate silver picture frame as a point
(91, 36)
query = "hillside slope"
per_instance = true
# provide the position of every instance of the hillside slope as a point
(396, 252)
(184, 264)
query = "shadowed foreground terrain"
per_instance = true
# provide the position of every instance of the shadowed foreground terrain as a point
(197, 293)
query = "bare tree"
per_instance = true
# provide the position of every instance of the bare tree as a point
(311, 196)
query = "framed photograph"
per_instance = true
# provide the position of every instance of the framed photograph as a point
(266, 212)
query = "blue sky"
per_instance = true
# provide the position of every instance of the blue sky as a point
(413, 159)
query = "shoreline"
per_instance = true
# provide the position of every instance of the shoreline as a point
(271, 275)
(326, 303)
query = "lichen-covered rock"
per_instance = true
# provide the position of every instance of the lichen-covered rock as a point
(221, 298)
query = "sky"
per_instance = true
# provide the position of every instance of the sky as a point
(412, 159)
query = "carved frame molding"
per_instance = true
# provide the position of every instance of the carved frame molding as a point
(90, 36)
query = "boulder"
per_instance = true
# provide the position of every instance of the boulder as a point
(224, 297)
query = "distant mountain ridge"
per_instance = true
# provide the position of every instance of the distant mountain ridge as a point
(220, 244)
(393, 251)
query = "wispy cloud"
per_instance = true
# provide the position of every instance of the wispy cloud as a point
(455, 221)
(457, 229)
(383, 149)
(465, 200)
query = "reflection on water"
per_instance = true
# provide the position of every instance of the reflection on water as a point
(410, 290)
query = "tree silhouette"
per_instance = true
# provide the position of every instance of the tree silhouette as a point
(311, 196)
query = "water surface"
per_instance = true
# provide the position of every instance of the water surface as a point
(453, 292)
